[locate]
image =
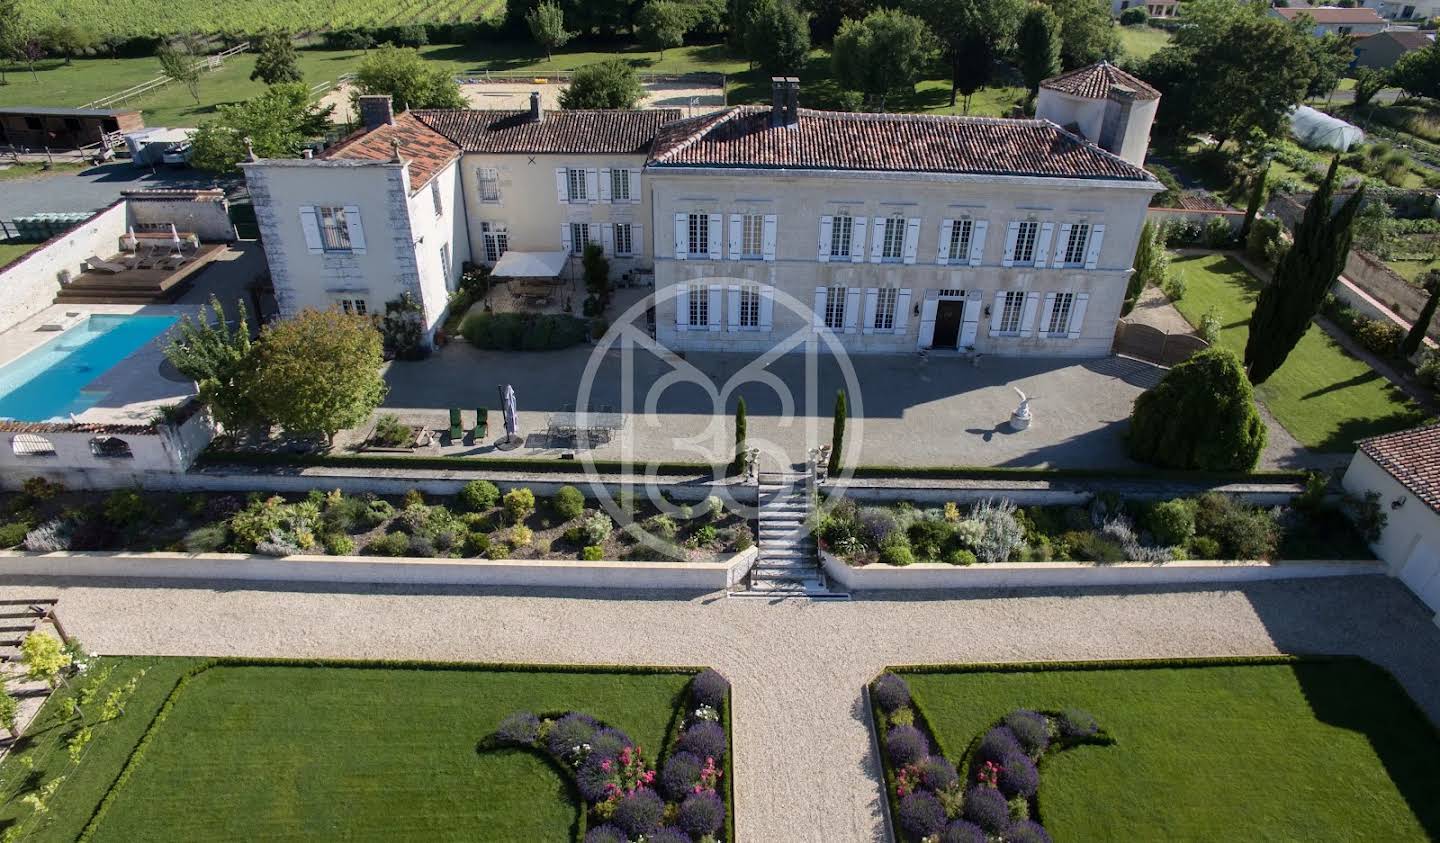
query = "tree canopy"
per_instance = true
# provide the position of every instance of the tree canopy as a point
(318, 372)
(662, 24)
(1037, 46)
(1087, 32)
(278, 122)
(276, 60)
(1417, 73)
(971, 34)
(178, 63)
(1200, 416)
(778, 37)
(612, 83)
(217, 356)
(408, 79)
(882, 54)
(547, 27)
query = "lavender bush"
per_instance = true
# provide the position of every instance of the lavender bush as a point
(638, 813)
(668, 835)
(959, 831)
(680, 773)
(1018, 776)
(998, 744)
(568, 732)
(921, 814)
(1026, 831)
(520, 729)
(607, 743)
(937, 773)
(708, 688)
(593, 780)
(605, 834)
(705, 740)
(877, 524)
(1030, 730)
(1076, 724)
(986, 807)
(905, 745)
(891, 693)
(701, 814)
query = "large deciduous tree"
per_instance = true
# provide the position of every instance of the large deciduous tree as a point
(612, 83)
(1087, 32)
(662, 24)
(1292, 298)
(217, 355)
(778, 37)
(276, 60)
(277, 123)
(180, 62)
(1417, 73)
(410, 82)
(1331, 54)
(972, 33)
(70, 39)
(547, 27)
(883, 54)
(1037, 46)
(319, 372)
(1200, 416)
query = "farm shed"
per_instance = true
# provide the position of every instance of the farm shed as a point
(41, 127)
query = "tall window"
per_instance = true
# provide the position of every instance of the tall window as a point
(445, 265)
(624, 240)
(334, 232)
(699, 235)
(489, 179)
(893, 246)
(1010, 312)
(575, 185)
(1025, 243)
(841, 231)
(579, 237)
(835, 308)
(699, 304)
(1060, 315)
(960, 233)
(352, 307)
(750, 306)
(436, 197)
(885, 309)
(1075, 246)
(619, 185)
(497, 240)
(752, 236)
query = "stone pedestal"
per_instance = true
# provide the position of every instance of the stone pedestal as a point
(1018, 421)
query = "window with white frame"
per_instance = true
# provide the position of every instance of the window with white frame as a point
(497, 240)
(445, 265)
(1025, 242)
(489, 179)
(1075, 246)
(960, 233)
(699, 304)
(752, 237)
(579, 237)
(436, 197)
(750, 306)
(885, 309)
(334, 232)
(624, 240)
(575, 185)
(893, 246)
(842, 229)
(1060, 315)
(699, 235)
(352, 307)
(835, 308)
(1010, 311)
(619, 185)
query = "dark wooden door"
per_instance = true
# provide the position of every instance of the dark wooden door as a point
(948, 316)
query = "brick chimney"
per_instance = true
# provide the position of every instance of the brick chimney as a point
(784, 101)
(376, 110)
(537, 109)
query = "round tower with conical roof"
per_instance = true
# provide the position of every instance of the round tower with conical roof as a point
(1103, 104)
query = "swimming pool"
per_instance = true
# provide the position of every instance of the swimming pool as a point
(49, 383)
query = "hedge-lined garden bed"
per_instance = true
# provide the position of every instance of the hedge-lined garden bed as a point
(479, 522)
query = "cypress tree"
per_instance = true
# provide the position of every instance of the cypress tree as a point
(1258, 184)
(837, 436)
(1292, 298)
(740, 430)
(1411, 344)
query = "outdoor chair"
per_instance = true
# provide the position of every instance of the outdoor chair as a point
(457, 428)
(482, 424)
(98, 265)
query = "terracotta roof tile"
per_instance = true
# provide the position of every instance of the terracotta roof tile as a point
(1094, 82)
(1331, 14)
(1412, 457)
(580, 132)
(426, 151)
(742, 137)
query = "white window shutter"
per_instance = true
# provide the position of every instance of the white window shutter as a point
(356, 228)
(912, 239)
(736, 236)
(928, 309)
(772, 224)
(977, 242)
(767, 308)
(682, 307)
(872, 297)
(565, 238)
(818, 318)
(827, 228)
(310, 224)
(592, 185)
(1077, 314)
(607, 235)
(1046, 312)
(996, 311)
(902, 311)
(852, 309)
(605, 184)
(562, 186)
(1062, 244)
(1092, 252)
(716, 220)
(877, 240)
(682, 236)
(637, 240)
(1027, 314)
(1042, 243)
(1012, 234)
(634, 186)
(857, 239)
(732, 320)
(970, 327)
(942, 254)
(717, 301)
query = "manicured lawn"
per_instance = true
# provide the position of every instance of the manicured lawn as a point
(10, 251)
(1323, 396)
(1141, 42)
(1307, 751)
(272, 752)
(1412, 270)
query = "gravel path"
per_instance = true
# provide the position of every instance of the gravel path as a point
(804, 766)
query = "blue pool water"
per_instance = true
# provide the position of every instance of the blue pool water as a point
(48, 383)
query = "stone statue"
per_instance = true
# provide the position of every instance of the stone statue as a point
(1020, 419)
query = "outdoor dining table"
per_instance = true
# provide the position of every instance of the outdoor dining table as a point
(593, 425)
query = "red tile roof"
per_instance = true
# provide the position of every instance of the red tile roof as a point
(426, 151)
(1331, 14)
(579, 132)
(742, 137)
(1412, 457)
(1095, 82)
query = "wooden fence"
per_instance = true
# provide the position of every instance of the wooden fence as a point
(208, 63)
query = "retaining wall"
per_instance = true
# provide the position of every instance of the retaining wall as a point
(29, 284)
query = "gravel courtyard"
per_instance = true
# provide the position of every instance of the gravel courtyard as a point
(804, 765)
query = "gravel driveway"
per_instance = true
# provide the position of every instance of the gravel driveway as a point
(804, 766)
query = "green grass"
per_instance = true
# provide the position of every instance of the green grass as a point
(1142, 42)
(1324, 397)
(284, 752)
(1412, 270)
(1323, 750)
(10, 251)
(165, 17)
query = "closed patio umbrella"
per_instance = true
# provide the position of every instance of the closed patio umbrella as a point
(508, 410)
(174, 239)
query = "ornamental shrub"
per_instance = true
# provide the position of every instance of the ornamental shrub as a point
(705, 740)
(50, 537)
(125, 508)
(905, 745)
(669, 835)
(520, 728)
(596, 527)
(337, 544)
(569, 503)
(985, 806)
(639, 812)
(876, 525)
(521, 536)
(606, 833)
(1026, 831)
(890, 693)
(1172, 522)
(961, 831)
(1380, 336)
(1075, 724)
(896, 551)
(1018, 776)
(1243, 531)
(1002, 535)
(929, 537)
(937, 773)
(680, 774)
(476, 544)
(592, 553)
(709, 688)
(959, 556)
(715, 507)
(1200, 416)
(1030, 729)
(388, 544)
(998, 744)
(569, 732)
(207, 539)
(661, 527)
(593, 780)
(479, 495)
(1204, 547)
(519, 504)
(608, 742)
(921, 814)
(701, 814)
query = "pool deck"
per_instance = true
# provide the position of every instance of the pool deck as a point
(136, 387)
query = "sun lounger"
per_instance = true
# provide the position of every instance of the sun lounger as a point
(98, 265)
(482, 424)
(457, 427)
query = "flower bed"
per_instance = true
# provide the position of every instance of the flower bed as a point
(625, 796)
(1108, 529)
(478, 522)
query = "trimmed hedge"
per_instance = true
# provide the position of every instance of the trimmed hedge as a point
(524, 331)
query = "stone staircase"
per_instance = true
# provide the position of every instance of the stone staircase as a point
(787, 565)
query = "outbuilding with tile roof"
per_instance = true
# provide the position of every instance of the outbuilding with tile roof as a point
(1401, 473)
(1105, 105)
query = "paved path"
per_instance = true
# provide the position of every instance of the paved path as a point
(804, 766)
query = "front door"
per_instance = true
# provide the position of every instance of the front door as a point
(948, 316)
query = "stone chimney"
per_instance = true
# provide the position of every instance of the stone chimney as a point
(537, 109)
(784, 101)
(376, 110)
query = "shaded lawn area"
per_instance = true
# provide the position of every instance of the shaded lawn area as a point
(274, 752)
(1412, 270)
(1142, 42)
(1326, 398)
(10, 251)
(1325, 750)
